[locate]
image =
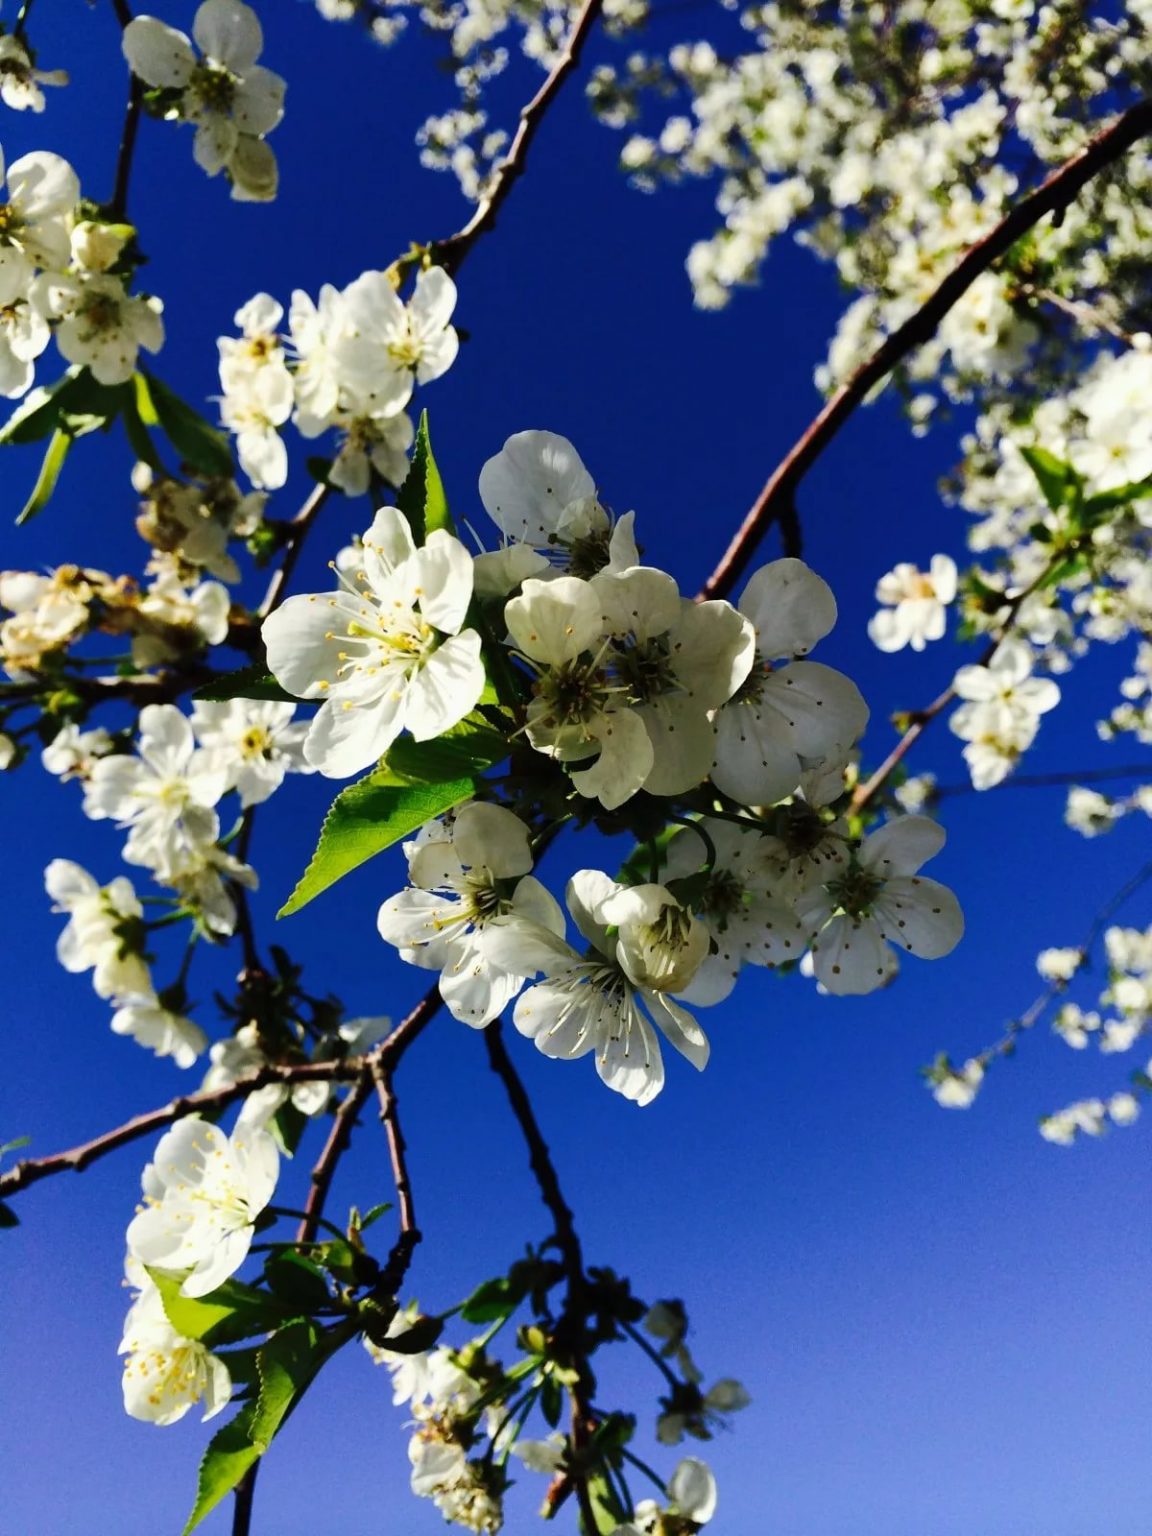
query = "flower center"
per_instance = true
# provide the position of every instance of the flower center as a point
(407, 352)
(645, 668)
(855, 891)
(255, 742)
(573, 693)
(213, 87)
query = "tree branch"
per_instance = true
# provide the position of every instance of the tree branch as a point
(450, 253)
(339, 1137)
(298, 530)
(400, 1257)
(776, 502)
(921, 719)
(75, 1159)
(568, 1242)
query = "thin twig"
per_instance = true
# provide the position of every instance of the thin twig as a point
(298, 530)
(450, 253)
(400, 1256)
(1049, 780)
(343, 1124)
(777, 500)
(921, 719)
(75, 1159)
(567, 1241)
(118, 204)
(244, 1494)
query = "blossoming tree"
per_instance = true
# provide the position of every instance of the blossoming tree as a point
(498, 677)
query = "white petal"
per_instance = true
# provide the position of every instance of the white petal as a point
(446, 688)
(229, 32)
(527, 485)
(920, 916)
(157, 53)
(791, 607)
(850, 956)
(343, 740)
(901, 846)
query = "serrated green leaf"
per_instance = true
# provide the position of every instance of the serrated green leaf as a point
(253, 682)
(368, 817)
(421, 498)
(195, 439)
(50, 468)
(467, 748)
(1054, 477)
(286, 1366)
(232, 1312)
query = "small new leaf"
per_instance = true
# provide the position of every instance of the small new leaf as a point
(421, 498)
(232, 1312)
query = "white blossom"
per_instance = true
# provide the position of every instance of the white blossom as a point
(201, 1196)
(232, 100)
(589, 1003)
(784, 719)
(256, 742)
(881, 899)
(166, 1374)
(387, 652)
(467, 874)
(104, 931)
(915, 604)
(142, 1015)
(163, 794)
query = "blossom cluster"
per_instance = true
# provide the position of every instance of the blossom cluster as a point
(348, 362)
(631, 701)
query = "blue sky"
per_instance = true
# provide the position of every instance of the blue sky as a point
(936, 1313)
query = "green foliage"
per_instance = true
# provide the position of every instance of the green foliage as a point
(418, 781)
(285, 1368)
(1056, 479)
(53, 462)
(232, 1312)
(421, 498)
(251, 682)
(200, 445)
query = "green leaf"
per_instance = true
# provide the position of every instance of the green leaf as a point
(363, 1222)
(53, 463)
(297, 1280)
(252, 682)
(421, 498)
(422, 1335)
(1054, 477)
(606, 1507)
(286, 1367)
(38, 414)
(232, 1312)
(1120, 496)
(368, 817)
(492, 1300)
(467, 748)
(198, 443)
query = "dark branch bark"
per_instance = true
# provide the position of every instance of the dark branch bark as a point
(450, 253)
(777, 501)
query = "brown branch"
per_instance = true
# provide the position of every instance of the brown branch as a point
(118, 204)
(776, 502)
(450, 253)
(298, 530)
(75, 1159)
(339, 1137)
(400, 1256)
(568, 1242)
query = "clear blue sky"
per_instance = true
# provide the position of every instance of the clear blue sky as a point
(940, 1317)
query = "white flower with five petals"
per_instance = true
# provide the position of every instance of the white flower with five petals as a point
(589, 1003)
(387, 652)
(469, 874)
(232, 100)
(914, 604)
(881, 899)
(202, 1195)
